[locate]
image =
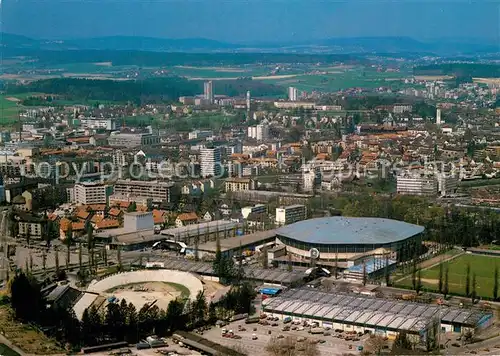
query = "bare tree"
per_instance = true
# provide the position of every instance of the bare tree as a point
(327, 284)
(375, 344)
(290, 346)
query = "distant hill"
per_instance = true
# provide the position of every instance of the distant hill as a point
(148, 44)
(355, 45)
(117, 43)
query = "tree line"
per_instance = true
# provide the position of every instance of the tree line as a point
(482, 70)
(163, 59)
(467, 227)
(120, 321)
(144, 91)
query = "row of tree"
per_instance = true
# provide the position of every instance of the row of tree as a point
(445, 225)
(121, 321)
(470, 282)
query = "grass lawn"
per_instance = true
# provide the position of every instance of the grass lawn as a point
(7, 351)
(25, 337)
(482, 266)
(8, 110)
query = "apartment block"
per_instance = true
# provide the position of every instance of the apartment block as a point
(239, 184)
(259, 132)
(157, 191)
(131, 140)
(89, 193)
(416, 185)
(211, 162)
(256, 209)
(290, 214)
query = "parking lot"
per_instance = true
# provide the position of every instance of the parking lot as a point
(172, 349)
(329, 344)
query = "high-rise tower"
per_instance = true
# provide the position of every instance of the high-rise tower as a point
(208, 91)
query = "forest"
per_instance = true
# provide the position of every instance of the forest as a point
(479, 70)
(155, 59)
(152, 90)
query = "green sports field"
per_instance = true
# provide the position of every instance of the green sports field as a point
(482, 266)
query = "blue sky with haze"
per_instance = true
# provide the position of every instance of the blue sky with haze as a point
(253, 20)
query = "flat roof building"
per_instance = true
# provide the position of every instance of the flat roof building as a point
(157, 191)
(131, 140)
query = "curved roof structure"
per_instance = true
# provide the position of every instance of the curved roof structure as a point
(349, 231)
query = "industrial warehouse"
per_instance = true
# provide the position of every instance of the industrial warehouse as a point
(421, 322)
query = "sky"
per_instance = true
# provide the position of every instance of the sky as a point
(253, 21)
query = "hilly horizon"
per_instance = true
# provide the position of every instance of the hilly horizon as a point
(365, 44)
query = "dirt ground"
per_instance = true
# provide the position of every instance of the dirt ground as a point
(210, 287)
(433, 77)
(142, 293)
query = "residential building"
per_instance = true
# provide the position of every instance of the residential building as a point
(438, 117)
(257, 209)
(77, 228)
(211, 162)
(293, 93)
(259, 132)
(200, 134)
(14, 189)
(401, 108)
(89, 193)
(208, 91)
(131, 140)
(185, 219)
(239, 184)
(30, 225)
(124, 201)
(447, 184)
(290, 214)
(294, 104)
(156, 190)
(187, 100)
(96, 123)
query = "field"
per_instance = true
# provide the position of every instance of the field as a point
(433, 77)
(8, 109)
(482, 266)
(342, 78)
(25, 337)
(494, 81)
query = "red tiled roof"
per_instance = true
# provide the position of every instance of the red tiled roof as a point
(108, 224)
(187, 217)
(81, 214)
(114, 212)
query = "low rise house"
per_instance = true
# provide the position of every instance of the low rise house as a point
(185, 219)
(77, 228)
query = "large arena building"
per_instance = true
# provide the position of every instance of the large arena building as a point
(346, 241)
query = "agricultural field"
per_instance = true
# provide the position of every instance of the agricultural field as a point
(9, 108)
(482, 266)
(343, 78)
